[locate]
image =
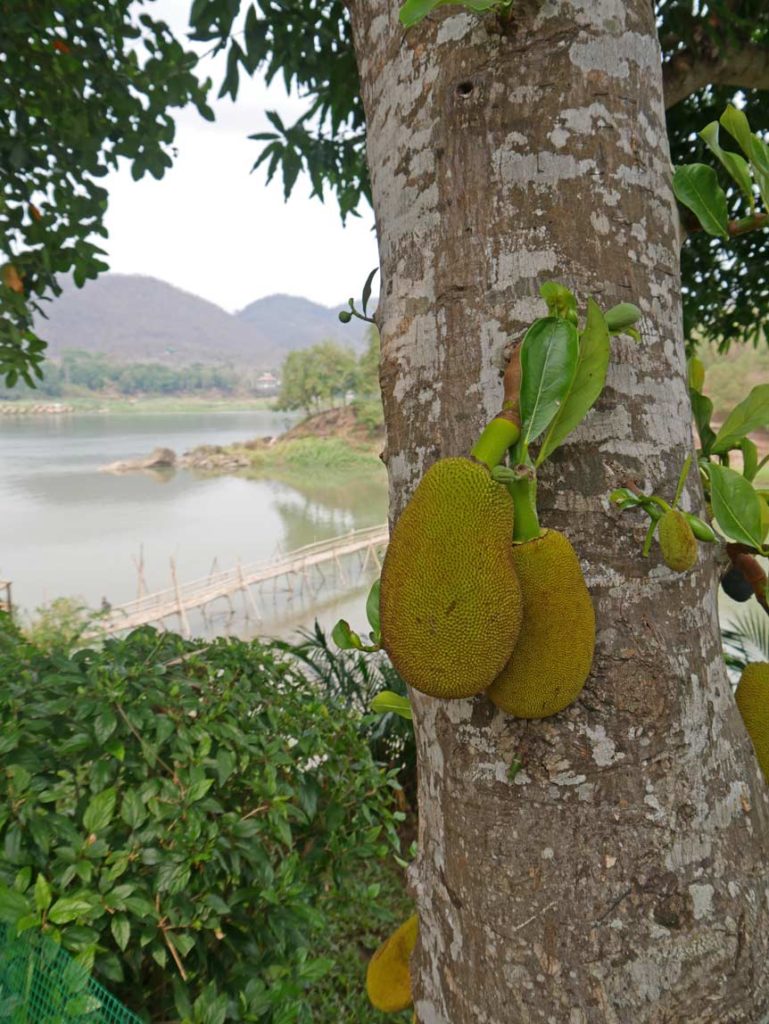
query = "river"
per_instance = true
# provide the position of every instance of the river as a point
(70, 530)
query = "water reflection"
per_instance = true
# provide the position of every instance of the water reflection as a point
(68, 529)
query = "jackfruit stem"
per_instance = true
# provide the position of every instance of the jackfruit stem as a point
(524, 494)
(498, 435)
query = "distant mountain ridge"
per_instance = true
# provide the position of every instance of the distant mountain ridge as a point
(133, 318)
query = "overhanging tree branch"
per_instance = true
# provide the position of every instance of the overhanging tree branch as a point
(688, 72)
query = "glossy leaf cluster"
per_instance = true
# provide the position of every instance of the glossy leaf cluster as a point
(735, 500)
(725, 281)
(82, 84)
(185, 817)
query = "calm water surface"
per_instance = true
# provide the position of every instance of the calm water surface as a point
(68, 529)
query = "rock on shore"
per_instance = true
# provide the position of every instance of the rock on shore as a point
(160, 458)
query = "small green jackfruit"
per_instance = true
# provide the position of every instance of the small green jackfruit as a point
(552, 659)
(450, 603)
(677, 541)
(388, 979)
(752, 696)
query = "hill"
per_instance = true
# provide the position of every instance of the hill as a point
(133, 318)
(286, 318)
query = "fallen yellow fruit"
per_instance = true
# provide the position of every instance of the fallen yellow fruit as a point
(388, 979)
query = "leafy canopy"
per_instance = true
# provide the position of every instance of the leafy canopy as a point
(317, 377)
(82, 83)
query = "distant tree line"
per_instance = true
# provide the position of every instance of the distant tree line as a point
(312, 379)
(80, 371)
(327, 374)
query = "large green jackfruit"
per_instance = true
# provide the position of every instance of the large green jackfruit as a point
(388, 978)
(752, 697)
(677, 541)
(552, 658)
(450, 604)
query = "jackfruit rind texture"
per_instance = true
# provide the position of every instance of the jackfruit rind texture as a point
(450, 604)
(677, 541)
(388, 979)
(552, 659)
(752, 696)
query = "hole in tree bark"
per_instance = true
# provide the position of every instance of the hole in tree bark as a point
(464, 88)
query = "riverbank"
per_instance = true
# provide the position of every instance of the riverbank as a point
(335, 441)
(147, 404)
(92, 535)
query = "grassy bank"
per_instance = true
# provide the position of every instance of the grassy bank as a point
(313, 454)
(331, 445)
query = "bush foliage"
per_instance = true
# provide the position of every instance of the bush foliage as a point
(187, 818)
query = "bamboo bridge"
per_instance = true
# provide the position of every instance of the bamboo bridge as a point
(298, 568)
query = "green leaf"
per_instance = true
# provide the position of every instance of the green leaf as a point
(696, 186)
(120, 927)
(226, 762)
(702, 408)
(104, 725)
(83, 1004)
(695, 374)
(42, 893)
(314, 970)
(736, 165)
(69, 908)
(99, 812)
(759, 160)
(560, 301)
(372, 608)
(588, 382)
(749, 451)
(736, 506)
(625, 498)
(133, 811)
(736, 123)
(345, 638)
(549, 354)
(414, 11)
(751, 414)
(198, 789)
(389, 701)
(28, 921)
(367, 290)
(12, 905)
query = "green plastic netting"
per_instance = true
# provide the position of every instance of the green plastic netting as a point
(40, 983)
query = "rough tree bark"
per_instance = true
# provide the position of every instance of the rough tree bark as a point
(621, 876)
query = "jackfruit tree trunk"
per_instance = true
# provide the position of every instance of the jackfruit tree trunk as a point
(621, 875)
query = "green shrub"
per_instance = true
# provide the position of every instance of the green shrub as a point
(370, 414)
(315, 454)
(187, 818)
(355, 679)
(60, 625)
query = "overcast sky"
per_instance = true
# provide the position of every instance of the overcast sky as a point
(213, 228)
